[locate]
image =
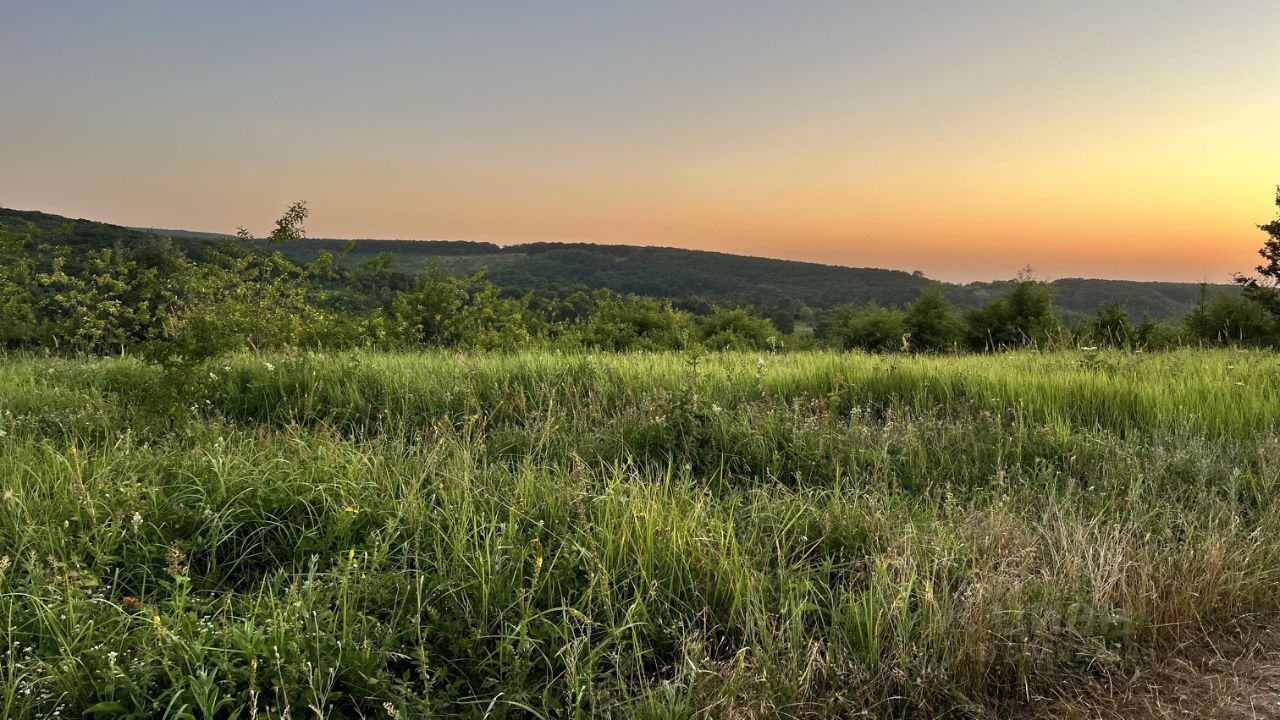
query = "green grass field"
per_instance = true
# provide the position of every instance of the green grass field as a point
(546, 535)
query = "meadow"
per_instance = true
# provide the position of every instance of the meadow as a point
(542, 534)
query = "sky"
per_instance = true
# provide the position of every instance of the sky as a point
(1085, 138)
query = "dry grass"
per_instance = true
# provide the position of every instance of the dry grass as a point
(1227, 677)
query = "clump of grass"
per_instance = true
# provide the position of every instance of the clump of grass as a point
(545, 535)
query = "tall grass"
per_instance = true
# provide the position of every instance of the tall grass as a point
(655, 535)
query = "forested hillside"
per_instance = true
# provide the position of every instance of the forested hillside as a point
(662, 272)
(679, 273)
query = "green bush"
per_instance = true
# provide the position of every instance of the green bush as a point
(1228, 319)
(449, 311)
(1022, 317)
(634, 323)
(737, 330)
(932, 324)
(870, 327)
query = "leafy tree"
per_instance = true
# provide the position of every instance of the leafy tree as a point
(459, 312)
(870, 327)
(635, 323)
(1110, 325)
(932, 323)
(1265, 288)
(1228, 319)
(784, 319)
(1151, 335)
(19, 325)
(737, 330)
(242, 296)
(1022, 317)
(117, 302)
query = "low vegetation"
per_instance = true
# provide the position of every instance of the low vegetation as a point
(548, 534)
(180, 301)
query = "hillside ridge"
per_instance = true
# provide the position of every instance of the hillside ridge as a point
(666, 272)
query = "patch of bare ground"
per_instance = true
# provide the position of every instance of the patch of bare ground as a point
(1235, 677)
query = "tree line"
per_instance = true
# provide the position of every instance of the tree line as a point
(172, 305)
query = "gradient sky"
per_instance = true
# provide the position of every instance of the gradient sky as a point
(1092, 138)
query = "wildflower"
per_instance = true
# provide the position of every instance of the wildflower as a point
(8, 495)
(393, 712)
(137, 520)
(350, 509)
(155, 621)
(269, 366)
(130, 602)
(212, 376)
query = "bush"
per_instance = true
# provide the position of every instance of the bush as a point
(1022, 317)
(870, 327)
(1152, 335)
(635, 323)
(737, 330)
(932, 323)
(1229, 319)
(1110, 326)
(18, 324)
(450, 311)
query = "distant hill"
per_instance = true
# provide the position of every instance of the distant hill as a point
(184, 234)
(662, 272)
(676, 273)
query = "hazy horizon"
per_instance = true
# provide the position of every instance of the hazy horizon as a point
(1082, 139)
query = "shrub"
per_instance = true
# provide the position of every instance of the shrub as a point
(450, 311)
(1110, 326)
(932, 323)
(1229, 319)
(871, 327)
(737, 330)
(1022, 317)
(635, 323)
